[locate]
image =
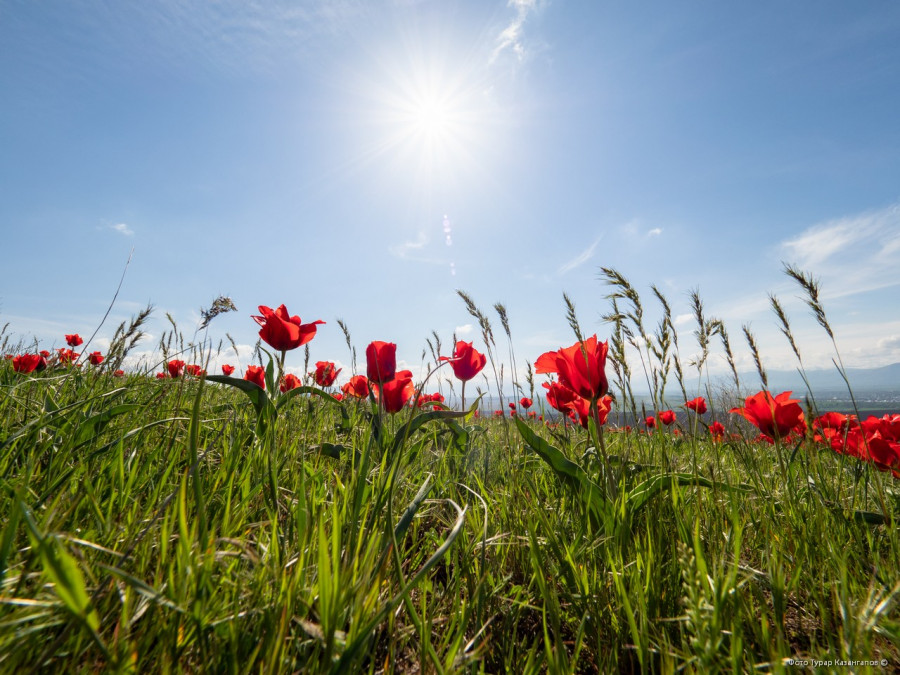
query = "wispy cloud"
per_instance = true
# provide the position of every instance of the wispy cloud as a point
(852, 254)
(580, 259)
(655, 232)
(465, 329)
(403, 250)
(511, 36)
(122, 228)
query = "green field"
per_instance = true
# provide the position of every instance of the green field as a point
(185, 525)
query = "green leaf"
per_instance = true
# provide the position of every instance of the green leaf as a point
(60, 567)
(296, 391)
(407, 430)
(644, 492)
(570, 473)
(255, 393)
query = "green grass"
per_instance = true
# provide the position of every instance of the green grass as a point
(141, 533)
(187, 526)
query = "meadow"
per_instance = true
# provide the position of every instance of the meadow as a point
(168, 519)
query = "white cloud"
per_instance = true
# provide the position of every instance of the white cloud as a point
(580, 259)
(655, 232)
(403, 250)
(465, 329)
(122, 228)
(511, 36)
(682, 319)
(852, 254)
(889, 343)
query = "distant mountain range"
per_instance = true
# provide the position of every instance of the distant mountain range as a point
(886, 378)
(824, 382)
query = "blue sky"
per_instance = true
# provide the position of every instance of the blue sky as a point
(363, 160)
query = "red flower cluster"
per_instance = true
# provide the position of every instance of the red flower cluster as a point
(392, 387)
(28, 363)
(581, 367)
(95, 358)
(776, 417)
(74, 340)
(65, 356)
(195, 370)
(435, 399)
(717, 431)
(876, 439)
(667, 417)
(582, 379)
(282, 331)
(227, 370)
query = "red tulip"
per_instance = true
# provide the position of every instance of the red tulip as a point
(288, 382)
(667, 417)
(775, 417)
(162, 376)
(338, 396)
(381, 361)
(532, 413)
(650, 421)
(175, 368)
(581, 409)
(581, 367)
(875, 440)
(525, 402)
(558, 396)
(74, 340)
(717, 431)
(119, 373)
(227, 370)
(397, 392)
(437, 397)
(284, 332)
(512, 406)
(194, 370)
(498, 413)
(466, 361)
(44, 353)
(28, 363)
(95, 358)
(325, 373)
(358, 386)
(257, 375)
(698, 405)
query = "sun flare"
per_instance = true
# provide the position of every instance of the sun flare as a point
(430, 118)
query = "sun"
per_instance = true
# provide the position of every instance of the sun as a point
(426, 114)
(431, 118)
